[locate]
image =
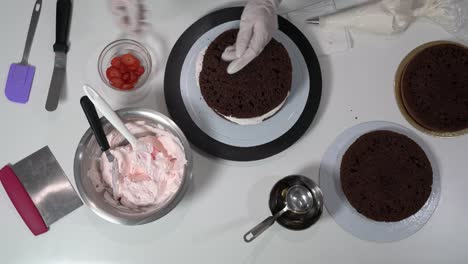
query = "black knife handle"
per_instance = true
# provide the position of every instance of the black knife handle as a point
(94, 122)
(62, 25)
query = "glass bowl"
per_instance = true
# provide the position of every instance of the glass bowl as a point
(121, 47)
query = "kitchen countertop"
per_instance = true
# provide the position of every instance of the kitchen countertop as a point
(226, 198)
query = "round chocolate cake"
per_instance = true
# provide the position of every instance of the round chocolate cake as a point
(386, 176)
(259, 88)
(434, 88)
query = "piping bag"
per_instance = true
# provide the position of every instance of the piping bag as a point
(394, 16)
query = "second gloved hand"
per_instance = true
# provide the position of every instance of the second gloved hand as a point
(129, 15)
(258, 22)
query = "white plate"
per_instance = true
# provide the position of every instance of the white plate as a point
(341, 210)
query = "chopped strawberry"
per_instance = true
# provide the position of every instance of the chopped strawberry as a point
(133, 67)
(140, 71)
(117, 82)
(124, 71)
(128, 59)
(133, 77)
(123, 68)
(126, 77)
(128, 86)
(116, 62)
(112, 72)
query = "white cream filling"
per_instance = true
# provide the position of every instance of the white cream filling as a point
(199, 65)
(258, 119)
(241, 121)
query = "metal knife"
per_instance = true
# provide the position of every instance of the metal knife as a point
(62, 29)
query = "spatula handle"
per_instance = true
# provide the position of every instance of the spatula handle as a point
(22, 201)
(111, 116)
(32, 30)
(94, 122)
(62, 25)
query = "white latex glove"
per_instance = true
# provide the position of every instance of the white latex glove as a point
(258, 22)
(129, 15)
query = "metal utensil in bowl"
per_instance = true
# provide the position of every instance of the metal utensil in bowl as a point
(96, 127)
(291, 220)
(299, 200)
(88, 151)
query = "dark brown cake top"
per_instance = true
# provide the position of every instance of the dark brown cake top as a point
(386, 176)
(255, 90)
(434, 88)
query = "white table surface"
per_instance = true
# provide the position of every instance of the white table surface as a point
(226, 198)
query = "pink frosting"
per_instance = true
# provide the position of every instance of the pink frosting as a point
(151, 178)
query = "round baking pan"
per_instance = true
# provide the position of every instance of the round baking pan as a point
(398, 79)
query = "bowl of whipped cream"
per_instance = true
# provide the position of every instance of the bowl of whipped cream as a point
(149, 185)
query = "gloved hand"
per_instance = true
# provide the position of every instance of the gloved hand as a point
(258, 22)
(129, 15)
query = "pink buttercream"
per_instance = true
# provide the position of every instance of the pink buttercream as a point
(150, 178)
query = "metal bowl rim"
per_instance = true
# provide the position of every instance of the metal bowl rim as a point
(171, 204)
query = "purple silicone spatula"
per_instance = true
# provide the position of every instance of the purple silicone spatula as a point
(21, 75)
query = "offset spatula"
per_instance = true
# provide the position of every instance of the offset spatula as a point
(62, 29)
(96, 126)
(21, 75)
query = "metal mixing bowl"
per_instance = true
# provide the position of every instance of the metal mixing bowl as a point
(88, 151)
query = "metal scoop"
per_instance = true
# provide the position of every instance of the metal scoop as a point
(299, 200)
